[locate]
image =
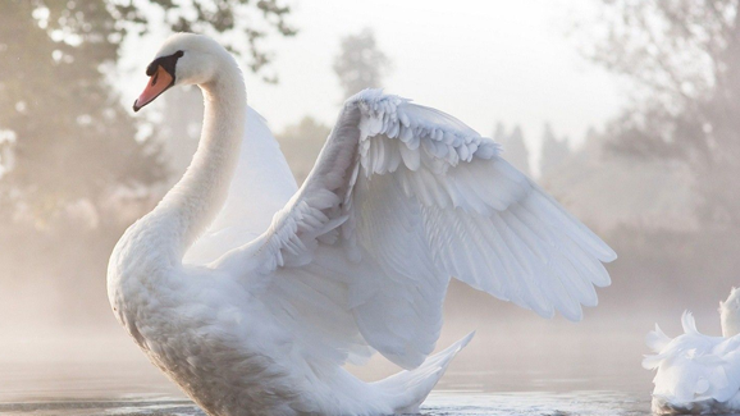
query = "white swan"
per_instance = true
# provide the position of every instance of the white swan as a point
(697, 373)
(282, 286)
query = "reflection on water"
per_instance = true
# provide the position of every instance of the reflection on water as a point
(441, 402)
(546, 368)
(464, 393)
(595, 403)
(103, 407)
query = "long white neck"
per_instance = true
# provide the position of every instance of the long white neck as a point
(730, 324)
(192, 204)
(730, 314)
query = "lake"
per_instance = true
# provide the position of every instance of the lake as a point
(549, 368)
(132, 391)
(441, 402)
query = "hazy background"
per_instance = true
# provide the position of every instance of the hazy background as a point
(628, 112)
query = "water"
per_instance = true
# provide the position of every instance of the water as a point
(439, 403)
(134, 390)
(545, 368)
(464, 393)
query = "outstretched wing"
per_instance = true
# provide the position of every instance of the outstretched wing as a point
(410, 196)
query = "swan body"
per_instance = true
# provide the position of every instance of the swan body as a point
(697, 373)
(251, 294)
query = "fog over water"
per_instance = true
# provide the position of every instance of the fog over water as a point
(636, 135)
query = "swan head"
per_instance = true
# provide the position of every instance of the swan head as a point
(729, 311)
(183, 59)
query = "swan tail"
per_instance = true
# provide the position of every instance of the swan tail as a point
(408, 389)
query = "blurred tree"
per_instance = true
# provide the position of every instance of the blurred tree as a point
(301, 144)
(499, 133)
(360, 64)
(515, 149)
(685, 58)
(69, 148)
(73, 138)
(554, 152)
(240, 25)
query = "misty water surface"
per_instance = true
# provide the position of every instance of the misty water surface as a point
(527, 366)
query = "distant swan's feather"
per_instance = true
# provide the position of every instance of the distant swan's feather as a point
(696, 373)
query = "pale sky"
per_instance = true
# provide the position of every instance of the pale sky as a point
(481, 61)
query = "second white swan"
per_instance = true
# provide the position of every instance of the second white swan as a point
(696, 373)
(251, 294)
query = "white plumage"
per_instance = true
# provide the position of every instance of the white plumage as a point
(697, 373)
(280, 286)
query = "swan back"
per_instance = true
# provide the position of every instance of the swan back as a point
(261, 186)
(696, 373)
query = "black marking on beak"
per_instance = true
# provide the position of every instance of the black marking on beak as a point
(167, 63)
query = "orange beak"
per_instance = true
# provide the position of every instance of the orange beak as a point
(158, 83)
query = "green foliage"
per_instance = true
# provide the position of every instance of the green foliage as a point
(240, 25)
(79, 175)
(73, 138)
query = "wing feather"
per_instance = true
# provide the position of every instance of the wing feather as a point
(693, 368)
(411, 197)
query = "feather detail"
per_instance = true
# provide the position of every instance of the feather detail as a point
(696, 373)
(404, 197)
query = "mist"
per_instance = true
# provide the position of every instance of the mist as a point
(655, 175)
